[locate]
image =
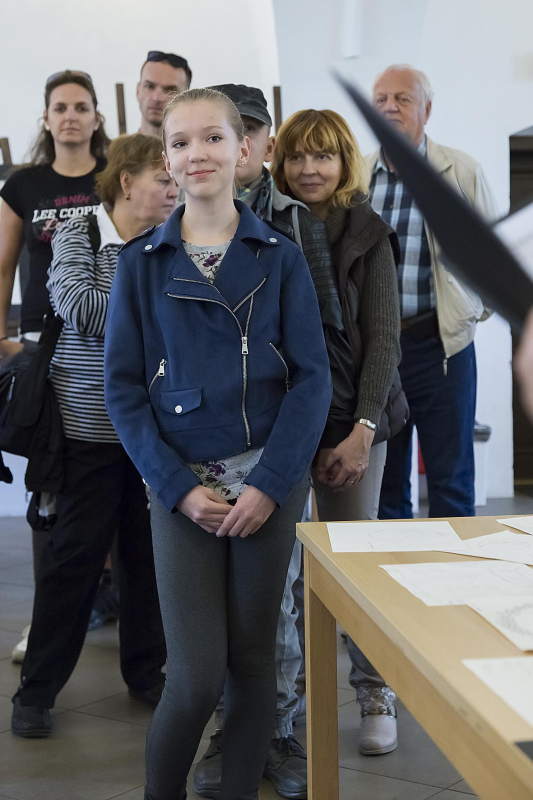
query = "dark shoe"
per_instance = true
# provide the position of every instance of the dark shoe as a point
(208, 771)
(30, 722)
(286, 767)
(105, 607)
(149, 697)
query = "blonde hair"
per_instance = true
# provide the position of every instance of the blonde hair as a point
(212, 96)
(127, 153)
(322, 132)
(421, 77)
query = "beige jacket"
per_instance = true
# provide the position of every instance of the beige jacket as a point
(458, 307)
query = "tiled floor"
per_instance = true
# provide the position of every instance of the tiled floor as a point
(96, 752)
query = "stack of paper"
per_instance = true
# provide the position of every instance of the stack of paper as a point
(394, 537)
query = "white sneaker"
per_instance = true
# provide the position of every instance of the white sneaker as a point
(19, 651)
(378, 732)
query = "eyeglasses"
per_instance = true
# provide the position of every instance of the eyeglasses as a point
(67, 73)
(175, 61)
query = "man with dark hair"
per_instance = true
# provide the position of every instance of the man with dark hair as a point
(162, 75)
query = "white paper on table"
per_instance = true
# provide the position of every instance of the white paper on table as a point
(393, 537)
(521, 523)
(512, 616)
(509, 678)
(460, 582)
(502, 546)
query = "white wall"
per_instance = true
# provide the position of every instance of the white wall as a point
(229, 42)
(479, 58)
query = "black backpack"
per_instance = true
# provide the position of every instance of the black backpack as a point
(30, 419)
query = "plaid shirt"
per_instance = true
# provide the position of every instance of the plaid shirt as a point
(394, 203)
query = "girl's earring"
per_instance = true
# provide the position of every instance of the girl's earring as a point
(127, 196)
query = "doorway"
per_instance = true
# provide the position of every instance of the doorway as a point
(521, 193)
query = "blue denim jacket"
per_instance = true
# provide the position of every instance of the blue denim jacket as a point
(196, 371)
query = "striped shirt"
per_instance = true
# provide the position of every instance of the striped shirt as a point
(394, 203)
(79, 284)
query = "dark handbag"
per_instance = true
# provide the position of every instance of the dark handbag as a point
(30, 419)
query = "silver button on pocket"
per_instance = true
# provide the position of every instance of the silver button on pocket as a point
(148, 247)
(178, 409)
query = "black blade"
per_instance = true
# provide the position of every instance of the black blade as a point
(470, 247)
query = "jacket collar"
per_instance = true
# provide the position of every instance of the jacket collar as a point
(108, 232)
(437, 157)
(242, 269)
(250, 227)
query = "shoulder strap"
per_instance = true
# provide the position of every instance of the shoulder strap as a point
(53, 326)
(94, 233)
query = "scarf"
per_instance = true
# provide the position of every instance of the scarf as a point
(259, 195)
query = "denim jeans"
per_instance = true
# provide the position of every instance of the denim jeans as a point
(358, 503)
(442, 401)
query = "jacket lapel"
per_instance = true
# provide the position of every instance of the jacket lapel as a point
(186, 280)
(437, 156)
(243, 268)
(241, 272)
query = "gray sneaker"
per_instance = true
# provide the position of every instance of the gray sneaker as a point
(208, 772)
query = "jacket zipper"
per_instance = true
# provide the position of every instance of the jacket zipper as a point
(244, 342)
(159, 374)
(202, 283)
(287, 378)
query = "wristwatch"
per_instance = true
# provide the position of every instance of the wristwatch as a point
(368, 423)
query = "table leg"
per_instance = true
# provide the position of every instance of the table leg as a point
(321, 671)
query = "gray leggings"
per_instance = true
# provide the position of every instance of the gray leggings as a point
(220, 601)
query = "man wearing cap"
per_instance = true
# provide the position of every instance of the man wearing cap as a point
(286, 764)
(162, 75)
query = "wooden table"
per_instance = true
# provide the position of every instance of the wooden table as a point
(419, 650)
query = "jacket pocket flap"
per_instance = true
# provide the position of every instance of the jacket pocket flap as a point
(180, 402)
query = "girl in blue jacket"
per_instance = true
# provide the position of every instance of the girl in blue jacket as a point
(218, 385)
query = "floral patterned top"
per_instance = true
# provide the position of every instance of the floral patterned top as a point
(225, 477)
(207, 259)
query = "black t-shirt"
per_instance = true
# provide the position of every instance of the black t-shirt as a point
(43, 199)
